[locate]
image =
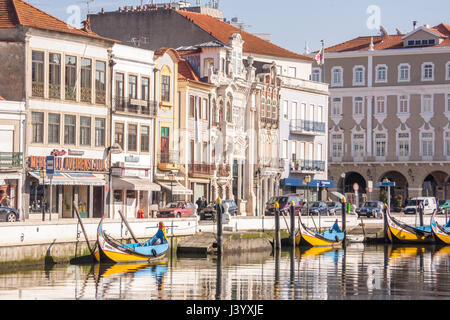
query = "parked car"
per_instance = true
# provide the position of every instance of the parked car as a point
(318, 207)
(209, 213)
(284, 202)
(444, 205)
(178, 209)
(371, 209)
(334, 207)
(9, 214)
(429, 205)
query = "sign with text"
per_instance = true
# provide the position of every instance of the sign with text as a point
(68, 164)
(50, 165)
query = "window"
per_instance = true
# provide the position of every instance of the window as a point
(336, 145)
(447, 143)
(37, 73)
(315, 75)
(192, 106)
(380, 105)
(448, 103)
(427, 144)
(118, 133)
(447, 71)
(53, 127)
(358, 145)
(403, 144)
(54, 75)
(285, 109)
(285, 149)
(145, 89)
(403, 104)
(274, 110)
(268, 108)
(85, 131)
(427, 72)
(120, 85)
(132, 137)
(71, 78)
(145, 140)
(427, 103)
(380, 144)
(132, 87)
(37, 124)
(207, 63)
(165, 88)
(230, 112)
(403, 72)
(279, 70)
(292, 72)
(358, 106)
(204, 109)
(336, 107)
(358, 76)
(100, 82)
(336, 76)
(381, 73)
(86, 70)
(69, 129)
(99, 132)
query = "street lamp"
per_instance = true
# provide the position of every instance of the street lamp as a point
(256, 183)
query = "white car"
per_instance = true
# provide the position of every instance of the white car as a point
(429, 205)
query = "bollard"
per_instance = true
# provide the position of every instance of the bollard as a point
(343, 215)
(277, 226)
(292, 209)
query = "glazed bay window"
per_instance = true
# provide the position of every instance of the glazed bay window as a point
(69, 129)
(145, 140)
(165, 88)
(71, 78)
(37, 127)
(53, 128)
(37, 74)
(99, 132)
(100, 82)
(132, 137)
(119, 134)
(403, 104)
(380, 145)
(54, 75)
(358, 106)
(85, 131)
(358, 145)
(86, 79)
(132, 87)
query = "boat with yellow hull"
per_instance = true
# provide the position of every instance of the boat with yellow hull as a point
(332, 237)
(399, 232)
(441, 233)
(110, 250)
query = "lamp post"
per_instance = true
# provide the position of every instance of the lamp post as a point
(171, 177)
(256, 183)
(42, 175)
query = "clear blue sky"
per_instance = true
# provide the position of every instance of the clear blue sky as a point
(293, 22)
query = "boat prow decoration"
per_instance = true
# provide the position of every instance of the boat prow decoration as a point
(110, 250)
(332, 237)
(441, 233)
(399, 232)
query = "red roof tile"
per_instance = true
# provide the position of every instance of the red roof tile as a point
(223, 31)
(186, 73)
(19, 12)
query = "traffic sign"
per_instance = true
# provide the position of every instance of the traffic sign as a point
(370, 186)
(386, 184)
(355, 186)
(50, 165)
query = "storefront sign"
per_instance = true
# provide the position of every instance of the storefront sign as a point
(69, 164)
(56, 152)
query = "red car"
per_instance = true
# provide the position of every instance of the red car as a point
(178, 209)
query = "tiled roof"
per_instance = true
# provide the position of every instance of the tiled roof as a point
(387, 42)
(186, 73)
(223, 31)
(19, 12)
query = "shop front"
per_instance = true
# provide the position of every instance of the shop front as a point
(71, 183)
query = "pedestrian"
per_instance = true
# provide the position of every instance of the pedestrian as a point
(199, 203)
(205, 204)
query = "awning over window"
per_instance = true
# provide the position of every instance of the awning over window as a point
(72, 179)
(176, 188)
(134, 183)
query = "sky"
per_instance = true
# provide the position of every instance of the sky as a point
(293, 23)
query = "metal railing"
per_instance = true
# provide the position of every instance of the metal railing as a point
(223, 170)
(201, 168)
(308, 165)
(307, 126)
(170, 156)
(11, 159)
(134, 106)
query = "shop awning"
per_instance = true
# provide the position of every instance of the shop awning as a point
(176, 188)
(73, 179)
(134, 183)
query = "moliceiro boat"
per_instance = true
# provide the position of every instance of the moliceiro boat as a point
(332, 237)
(441, 234)
(110, 250)
(399, 232)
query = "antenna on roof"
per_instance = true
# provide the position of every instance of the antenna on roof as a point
(87, 5)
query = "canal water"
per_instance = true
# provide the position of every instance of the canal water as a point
(375, 272)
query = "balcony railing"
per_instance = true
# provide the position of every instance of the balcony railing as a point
(307, 165)
(37, 89)
(86, 94)
(223, 170)
(70, 92)
(11, 159)
(307, 126)
(201, 169)
(272, 162)
(135, 106)
(54, 91)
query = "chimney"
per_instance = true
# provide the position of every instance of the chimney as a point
(103, 10)
(414, 24)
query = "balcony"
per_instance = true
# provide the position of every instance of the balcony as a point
(11, 159)
(169, 160)
(272, 163)
(307, 127)
(134, 106)
(201, 170)
(37, 89)
(307, 166)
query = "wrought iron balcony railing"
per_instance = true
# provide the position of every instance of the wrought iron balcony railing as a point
(11, 159)
(135, 106)
(307, 165)
(300, 125)
(201, 169)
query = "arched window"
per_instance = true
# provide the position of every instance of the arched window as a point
(221, 116)
(229, 112)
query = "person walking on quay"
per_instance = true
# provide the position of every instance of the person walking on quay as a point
(199, 204)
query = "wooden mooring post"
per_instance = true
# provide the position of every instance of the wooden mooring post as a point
(82, 227)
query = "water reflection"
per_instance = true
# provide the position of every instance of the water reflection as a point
(352, 272)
